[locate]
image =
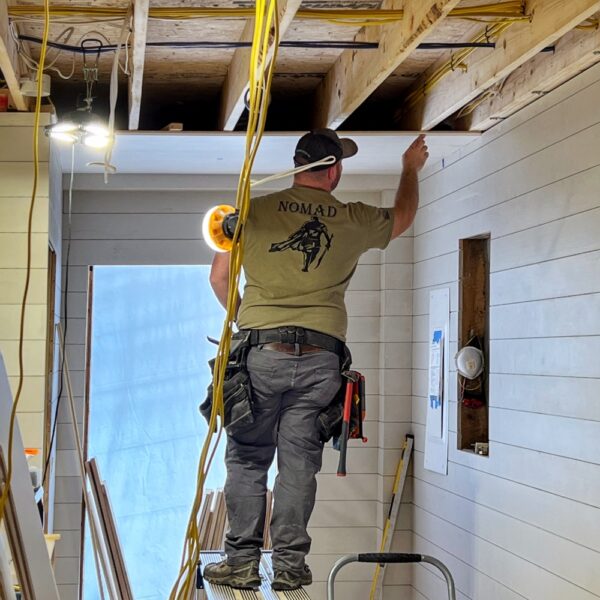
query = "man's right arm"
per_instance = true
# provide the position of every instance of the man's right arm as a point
(219, 278)
(407, 196)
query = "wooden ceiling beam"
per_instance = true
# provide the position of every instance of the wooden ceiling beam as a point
(573, 53)
(236, 82)
(136, 79)
(9, 61)
(356, 75)
(550, 20)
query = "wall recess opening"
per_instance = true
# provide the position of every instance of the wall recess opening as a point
(473, 344)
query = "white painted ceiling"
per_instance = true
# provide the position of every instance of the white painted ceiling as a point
(223, 153)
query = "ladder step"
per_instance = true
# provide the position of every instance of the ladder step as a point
(223, 592)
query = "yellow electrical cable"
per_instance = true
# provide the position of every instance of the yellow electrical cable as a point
(36, 170)
(260, 78)
(351, 17)
(457, 62)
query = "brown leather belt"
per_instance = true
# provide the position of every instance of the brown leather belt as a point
(297, 349)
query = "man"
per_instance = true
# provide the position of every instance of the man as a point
(301, 247)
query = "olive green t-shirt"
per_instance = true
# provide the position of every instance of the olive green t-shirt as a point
(301, 247)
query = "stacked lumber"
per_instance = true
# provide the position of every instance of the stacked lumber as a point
(110, 547)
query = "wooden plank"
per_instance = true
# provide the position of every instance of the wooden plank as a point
(203, 520)
(555, 317)
(212, 518)
(17, 178)
(17, 141)
(551, 395)
(571, 235)
(236, 82)
(35, 357)
(560, 516)
(13, 250)
(569, 109)
(517, 573)
(135, 252)
(12, 282)
(563, 356)
(355, 75)
(97, 527)
(478, 210)
(578, 274)
(550, 20)
(9, 60)
(573, 53)
(565, 559)
(140, 30)
(22, 518)
(123, 579)
(572, 438)
(14, 215)
(220, 528)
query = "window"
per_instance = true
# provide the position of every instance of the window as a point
(148, 374)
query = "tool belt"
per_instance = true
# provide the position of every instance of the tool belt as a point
(237, 390)
(298, 336)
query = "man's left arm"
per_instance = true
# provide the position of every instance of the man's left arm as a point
(219, 279)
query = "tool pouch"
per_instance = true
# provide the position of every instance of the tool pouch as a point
(329, 421)
(237, 390)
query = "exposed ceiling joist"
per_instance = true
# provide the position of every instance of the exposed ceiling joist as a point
(236, 82)
(140, 30)
(550, 19)
(575, 52)
(355, 75)
(9, 61)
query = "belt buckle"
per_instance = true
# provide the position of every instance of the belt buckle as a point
(286, 335)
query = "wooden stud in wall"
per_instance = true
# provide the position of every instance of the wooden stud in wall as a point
(473, 329)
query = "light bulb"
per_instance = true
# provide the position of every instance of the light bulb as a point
(64, 136)
(96, 141)
(63, 127)
(96, 129)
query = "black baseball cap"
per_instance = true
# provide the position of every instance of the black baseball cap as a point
(321, 143)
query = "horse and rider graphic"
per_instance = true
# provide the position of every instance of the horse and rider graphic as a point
(308, 240)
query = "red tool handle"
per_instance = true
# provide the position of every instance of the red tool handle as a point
(341, 471)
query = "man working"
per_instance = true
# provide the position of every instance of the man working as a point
(301, 247)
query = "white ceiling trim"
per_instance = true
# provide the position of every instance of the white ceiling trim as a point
(222, 153)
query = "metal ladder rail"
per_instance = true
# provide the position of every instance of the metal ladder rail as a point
(389, 557)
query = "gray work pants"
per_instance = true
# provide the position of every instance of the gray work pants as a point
(289, 392)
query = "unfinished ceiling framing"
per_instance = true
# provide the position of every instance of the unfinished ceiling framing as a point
(361, 65)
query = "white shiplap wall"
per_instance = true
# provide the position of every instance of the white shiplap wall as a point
(16, 183)
(156, 220)
(525, 521)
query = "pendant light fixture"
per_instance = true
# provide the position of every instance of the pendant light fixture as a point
(82, 126)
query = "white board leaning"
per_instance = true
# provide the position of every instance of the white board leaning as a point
(436, 425)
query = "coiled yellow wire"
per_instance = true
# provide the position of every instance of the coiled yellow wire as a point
(36, 172)
(260, 78)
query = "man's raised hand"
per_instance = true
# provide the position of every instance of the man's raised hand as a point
(416, 154)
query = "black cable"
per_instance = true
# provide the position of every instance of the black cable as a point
(316, 44)
(62, 342)
(454, 45)
(213, 45)
(341, 45)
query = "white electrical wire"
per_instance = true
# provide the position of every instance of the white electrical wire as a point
(113, 94)
(328, 160)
